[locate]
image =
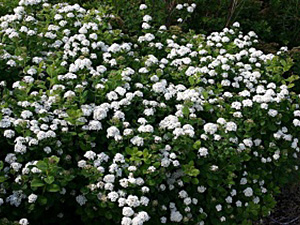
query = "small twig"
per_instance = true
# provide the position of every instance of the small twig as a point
(231, 11)
(286, 223)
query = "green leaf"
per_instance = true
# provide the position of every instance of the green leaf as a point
(42, 166)
(129, 151)
(139, 153)
(51, 70)
(156, 164)
(205, 94)
(185, 111)
(108, 216)
(1, 165)
(49, 180)
(194, 172)
(2, 179)
(54, 159)
(197, 144)
(192, 80)
(195, 181)
(36, 183)
(272, 127)
(74, 113)
(53, 188)
(42, 200)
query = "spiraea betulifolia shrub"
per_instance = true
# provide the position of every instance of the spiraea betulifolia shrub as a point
(160, 128)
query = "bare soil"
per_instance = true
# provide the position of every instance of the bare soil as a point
(287, 211)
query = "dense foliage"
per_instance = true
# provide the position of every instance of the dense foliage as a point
(153, 127)
(275, 20)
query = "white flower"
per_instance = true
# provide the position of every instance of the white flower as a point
(127, 211)
(165, 162)
(228, 199)
(201, 189)
(214, 168)
(248, 192)
(243, 181)
(69, 94)
(238, 203)
(26, 114)
(231, 126)
(113, 196)
(203, 151)
(236, 24)
(210, 128)
(256, 200)
(236, 105)
(183, 194)
(272, 112)
(190, 9)
(147, 18)
(276, 155)
(113, 132)
(23, 221)
(163, 219)
(187, 201)
(32, 198)
(176, 216)
(101, 69)
(247, 103)
(112, 96)
(296, 122)
(132, 201)
(179, 6)
(90, 155)
(151, 169)
(144, 201)
(221, 121)
(100, 112)
(149, 37)
(297, 113)
(143, 6)
(126, 221)
(81, 199)
(81, 163)
(9, 133)
(138, 141)
(248, 142)
(110, 178)
(170, 122)
(219, 207)
(95, 125)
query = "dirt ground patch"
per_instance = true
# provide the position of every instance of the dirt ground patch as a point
(287, 211)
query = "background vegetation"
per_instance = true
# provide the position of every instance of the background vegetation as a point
(276, 21)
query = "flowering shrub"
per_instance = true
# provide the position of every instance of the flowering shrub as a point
(160, 128)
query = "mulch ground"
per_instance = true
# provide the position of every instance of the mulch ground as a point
(287, 211)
